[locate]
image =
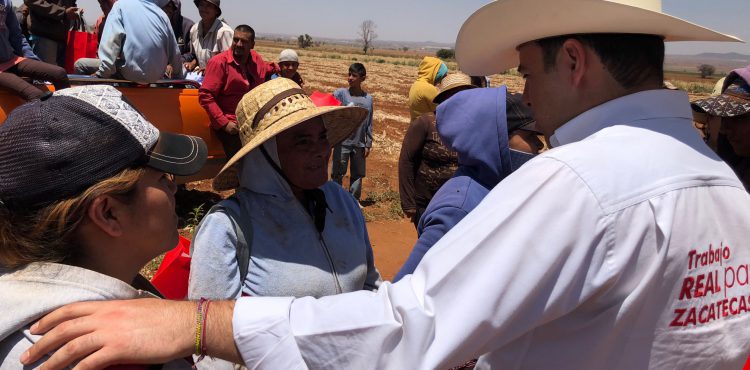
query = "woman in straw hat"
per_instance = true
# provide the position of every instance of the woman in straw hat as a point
(732, 107)
(84, 206)
(308, 236)
(425, 163)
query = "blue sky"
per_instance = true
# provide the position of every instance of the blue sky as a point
(436, 20)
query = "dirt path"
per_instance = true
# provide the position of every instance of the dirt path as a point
(391, 241)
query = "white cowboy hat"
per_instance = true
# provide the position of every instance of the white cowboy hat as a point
(487, 41)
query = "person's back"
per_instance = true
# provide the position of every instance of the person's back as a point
(474, 123)
(653, 278)
(138, 32)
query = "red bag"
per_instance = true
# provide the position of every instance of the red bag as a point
(81, 44)
(171, 279)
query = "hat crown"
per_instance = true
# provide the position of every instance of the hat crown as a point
(652, 5)
(262, 107)
(454, 80)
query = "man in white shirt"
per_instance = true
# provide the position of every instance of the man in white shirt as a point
(622, 248)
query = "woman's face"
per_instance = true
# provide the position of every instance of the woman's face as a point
(303, 152)
(737, 130)
(207, 11)
(152, 220)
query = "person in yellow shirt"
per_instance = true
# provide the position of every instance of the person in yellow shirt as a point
(423, 90)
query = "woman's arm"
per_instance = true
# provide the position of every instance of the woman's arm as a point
(409, 161)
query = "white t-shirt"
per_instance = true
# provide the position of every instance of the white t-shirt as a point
(215, 41)
(623, 248)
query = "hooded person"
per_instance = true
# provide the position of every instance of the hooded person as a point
(181, 26)
(425, 163)
(86, 200)
(732, 109)
(423, 90)
(477, 124)
(308, 236)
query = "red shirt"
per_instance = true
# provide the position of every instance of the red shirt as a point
(225, 82)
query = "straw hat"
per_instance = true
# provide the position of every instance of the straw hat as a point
(451, 82)
(487, 41)
(275, 106)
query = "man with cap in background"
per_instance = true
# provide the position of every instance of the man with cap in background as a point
(619, 248)
(732, 107)
(229, 76)
(288, 65)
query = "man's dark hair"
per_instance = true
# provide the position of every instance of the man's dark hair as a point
(245, 29)
(358, 68)
(632, 59)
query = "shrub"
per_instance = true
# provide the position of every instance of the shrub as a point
(446, 54)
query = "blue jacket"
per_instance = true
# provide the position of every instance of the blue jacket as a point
(474, 124)
(12, 41)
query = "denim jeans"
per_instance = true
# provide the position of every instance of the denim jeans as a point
(342, 155)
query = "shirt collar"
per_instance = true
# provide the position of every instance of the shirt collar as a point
(230, 56)
(644, 105)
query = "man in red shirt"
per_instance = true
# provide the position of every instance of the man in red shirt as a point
(228, 77)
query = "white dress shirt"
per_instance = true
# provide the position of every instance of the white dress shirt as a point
(593, 255)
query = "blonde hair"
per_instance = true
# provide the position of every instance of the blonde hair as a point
(49, 234)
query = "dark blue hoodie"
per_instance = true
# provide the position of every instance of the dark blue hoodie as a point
(474, 124)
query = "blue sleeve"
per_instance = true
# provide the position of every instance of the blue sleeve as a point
(214, 272)
(368, 129)
(111, 44)
(20, 46)
(339, 95)
(433, 226)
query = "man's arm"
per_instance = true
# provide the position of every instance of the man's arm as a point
(408, 163)
(213, 84)
(522, 258)
(368, 129)
(140, 331)
(111, 47)
(46, 9)
(20, 46)
(531, 252)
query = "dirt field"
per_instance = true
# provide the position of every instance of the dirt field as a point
(389, 77)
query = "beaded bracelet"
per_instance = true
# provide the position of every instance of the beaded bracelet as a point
(200, 327)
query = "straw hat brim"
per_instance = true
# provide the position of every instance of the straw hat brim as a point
(487, 41)
(340, 122)
(441, 96)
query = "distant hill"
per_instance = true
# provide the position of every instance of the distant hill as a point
(379, 44)
(724, 62)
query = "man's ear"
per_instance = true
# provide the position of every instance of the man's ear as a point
(573, 58)
(107, 214)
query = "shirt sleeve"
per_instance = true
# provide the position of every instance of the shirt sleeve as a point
(408, 162)
(214, 272)
(223, 40)
(20, 46)
(110, 48)
(46, 9)
(513, 264)
(213, 83)
(368, 128)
